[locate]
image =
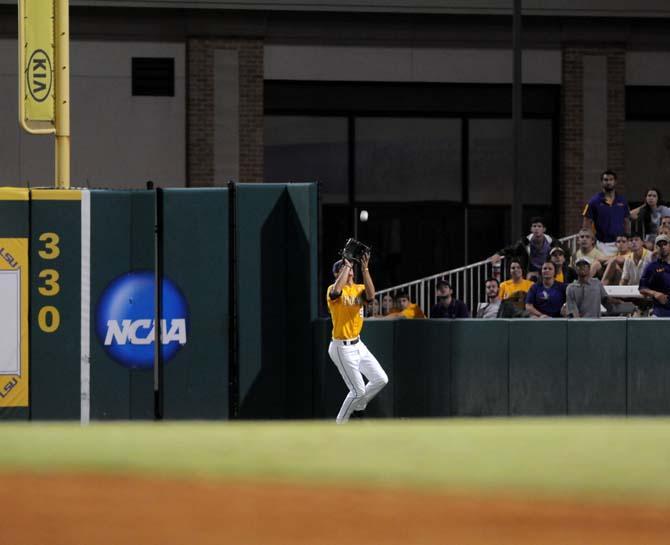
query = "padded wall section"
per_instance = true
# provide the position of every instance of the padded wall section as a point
(326, 395)
(597, 367)
(301, 304)
(122, 241)
(648, 367)
(538, 367)
(195, 257)
(479, 367)
(55, 301)
(276, 234)
(422, 368)
(262, 288)
(508, 367)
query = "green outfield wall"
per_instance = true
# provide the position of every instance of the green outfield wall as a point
(241, 336)
(238, 267)
(508, 367)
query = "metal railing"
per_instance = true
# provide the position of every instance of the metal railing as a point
(467, 282)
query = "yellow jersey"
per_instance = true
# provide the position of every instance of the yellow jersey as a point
(412, 311)
(509, 287)
(347, 311)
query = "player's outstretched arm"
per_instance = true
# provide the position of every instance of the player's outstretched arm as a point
(367, 278)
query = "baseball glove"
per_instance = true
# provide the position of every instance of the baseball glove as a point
(353, 250)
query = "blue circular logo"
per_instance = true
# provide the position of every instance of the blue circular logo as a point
(124, 320)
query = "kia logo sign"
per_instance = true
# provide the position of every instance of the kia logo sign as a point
(124, 320)
(39, 75)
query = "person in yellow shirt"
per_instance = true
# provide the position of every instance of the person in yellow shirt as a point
(352, 358)
(516, 283)
(406, 309)
(512, 292)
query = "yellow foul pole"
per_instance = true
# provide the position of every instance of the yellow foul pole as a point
(62, 92)
(44, 76)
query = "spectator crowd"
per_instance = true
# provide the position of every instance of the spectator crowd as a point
(616, 246)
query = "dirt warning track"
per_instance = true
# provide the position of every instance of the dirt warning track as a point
(91, 509)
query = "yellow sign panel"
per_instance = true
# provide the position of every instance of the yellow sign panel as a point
(37, 25)
(14, 322)
(55, 195)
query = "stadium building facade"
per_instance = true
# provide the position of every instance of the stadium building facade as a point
(399, 108)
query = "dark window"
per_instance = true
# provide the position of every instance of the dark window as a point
(153, 76)
(490, 161)
(408, 159)
(309, 149)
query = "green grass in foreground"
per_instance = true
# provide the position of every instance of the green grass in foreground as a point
(616, 459)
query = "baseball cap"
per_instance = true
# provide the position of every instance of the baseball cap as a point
(659, 238)
(583, 259)
(556, 249)
(338, 265)
(666, 212)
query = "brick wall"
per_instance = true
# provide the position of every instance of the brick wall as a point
(201, 103)
(572, 195)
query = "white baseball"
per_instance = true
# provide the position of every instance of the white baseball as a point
(364, 215)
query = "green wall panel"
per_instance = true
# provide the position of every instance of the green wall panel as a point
(276, 234)
(538, 367)
(648, 367)
(597, 367)
(422, 368)
(122, 227)
(141, 241)
(303, 229)
(325, 396)
(196, 259)
(262, 282)
(301, 303)
(479, 367)
(111, 226)
(55, 357)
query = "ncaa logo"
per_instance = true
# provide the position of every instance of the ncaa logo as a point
(124, 320)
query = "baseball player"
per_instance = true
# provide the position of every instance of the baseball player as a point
(348, 352)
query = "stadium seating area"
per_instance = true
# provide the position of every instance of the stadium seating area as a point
(530, 277)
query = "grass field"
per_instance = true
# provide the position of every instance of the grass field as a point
(600, 458)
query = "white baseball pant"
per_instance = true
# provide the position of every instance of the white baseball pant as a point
(354, 361)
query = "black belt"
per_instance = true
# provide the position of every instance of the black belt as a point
(353, 341)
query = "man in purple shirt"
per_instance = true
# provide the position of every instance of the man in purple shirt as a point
(608, 214)
(655, 280)
(546, 297)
